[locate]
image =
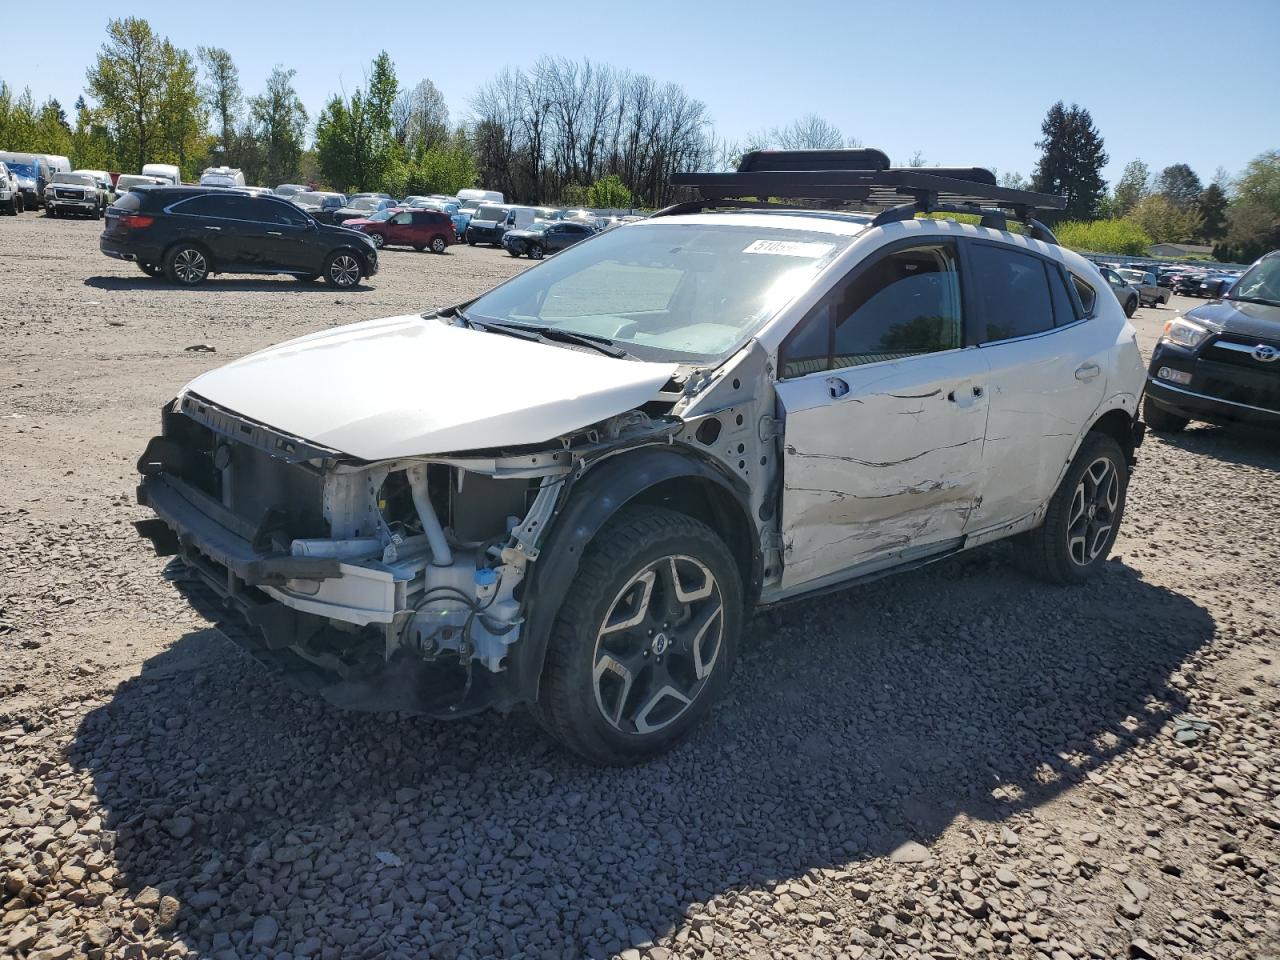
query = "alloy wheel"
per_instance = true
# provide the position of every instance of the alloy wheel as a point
(378, 240)
(438, 245)
(190, 266)
(658, 645)
(344, 270)
(1093, 511)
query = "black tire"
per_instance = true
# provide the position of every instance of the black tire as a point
(471, 242)
(1161, 420)
(513, 251)
(1131, 307)
(187, 265)
(50, 212)
(419, 247)
(663, 646)
(306, 277)
(150, 269)
(97, 213)
(535, 251)
(1072, 545)
(439, 244)
(343, 269)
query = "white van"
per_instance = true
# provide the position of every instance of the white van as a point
(127, 181)
(222, 177)
(468, 200)
(165, 171)
(57, 164)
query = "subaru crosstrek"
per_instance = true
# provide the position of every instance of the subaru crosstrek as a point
(573, 490)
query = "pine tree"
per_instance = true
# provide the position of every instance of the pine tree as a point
(1213, 212)
(1181, 185)
(1071, 161)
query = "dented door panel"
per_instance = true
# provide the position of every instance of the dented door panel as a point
(879, 458)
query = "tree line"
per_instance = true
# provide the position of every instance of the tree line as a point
(563, 131)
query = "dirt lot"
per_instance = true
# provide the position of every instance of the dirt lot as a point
(957, 762)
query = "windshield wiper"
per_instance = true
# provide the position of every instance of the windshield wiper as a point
(1267, 303)
(489, 326)
(595, 342)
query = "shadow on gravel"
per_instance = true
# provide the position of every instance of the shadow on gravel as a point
(1243, 445)
(855, 723)
(216, 283)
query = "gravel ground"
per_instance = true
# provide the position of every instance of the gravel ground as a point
(956, 762)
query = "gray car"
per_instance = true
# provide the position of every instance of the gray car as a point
(1150, 293)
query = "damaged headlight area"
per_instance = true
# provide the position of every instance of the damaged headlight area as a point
(393, 585)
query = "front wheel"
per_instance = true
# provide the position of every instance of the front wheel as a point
(439, 244)
(514, 252)
(645, 640)
(1084, 515)
(535, 252)
(342, 270)
(378, 239)
(1131, 307)
(186, 265)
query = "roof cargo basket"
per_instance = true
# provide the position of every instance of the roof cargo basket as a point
(865, 177)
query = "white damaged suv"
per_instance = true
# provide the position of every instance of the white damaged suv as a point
(572, 491)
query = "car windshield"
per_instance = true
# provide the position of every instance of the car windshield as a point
(1133, 275)
(78, 179)
(685, 292)
(490, 213)
(1260, 283)
(363, 203)
(381, 215)
(22, 169)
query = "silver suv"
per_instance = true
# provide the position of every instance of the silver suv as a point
(573, 490)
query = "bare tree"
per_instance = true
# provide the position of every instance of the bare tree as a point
(810, 132)
(420, 118)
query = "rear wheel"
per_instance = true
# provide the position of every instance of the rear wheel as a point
(186, 265)
(149, 268)
(1084, 515)
(513, 251)
(342, 270)
(439, 244)
(535, 252)
(1131, 306)
(645, 640)
(307, 277)
(1161, 420)
(419, 247)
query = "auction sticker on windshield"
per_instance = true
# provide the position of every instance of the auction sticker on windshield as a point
(790, 248)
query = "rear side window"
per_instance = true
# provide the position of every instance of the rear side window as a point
(1088, 296)
(905, 304)
(1012, 291)
(1064, 311)
(128, 202)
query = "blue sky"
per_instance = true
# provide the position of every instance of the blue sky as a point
(1167, 81)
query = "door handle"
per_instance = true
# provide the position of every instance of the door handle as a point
(207, 227)
(966, 396)
(836, 387)
(1087, 371)
(274, 233)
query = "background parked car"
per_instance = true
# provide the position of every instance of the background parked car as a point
(1150, 293)
(105, 184)
(192, 232)
(127, 181)
(1188, 284)
(488, 223)
(74, 193)
(543, 238)
(360, 208)
(221, 177)
(319, 204)
(1124, 291)
(10, 193)
(288, 190)
(1216, 284)
(33, 175)
(419, 229)
(461, 220)
(168, 172)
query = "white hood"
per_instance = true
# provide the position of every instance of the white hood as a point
(405, 386)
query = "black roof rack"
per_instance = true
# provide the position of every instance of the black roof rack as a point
(864, 176)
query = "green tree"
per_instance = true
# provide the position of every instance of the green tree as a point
(1253, 217)
(180, 113)
(609, 193)
(279, 125)
(127, 80)
(1071, 161)
(1132, 187)
(1181, 185)
(222, 95)
(354, 142)
(90, 143)
(1213, 212)
(1163, 220)
(1123, 237)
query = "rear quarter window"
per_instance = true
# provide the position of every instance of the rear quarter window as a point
(1088, 296)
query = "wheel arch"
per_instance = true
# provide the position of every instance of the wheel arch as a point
(1119, 424)
(664, 476)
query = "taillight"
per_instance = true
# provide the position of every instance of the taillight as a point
(136, 221)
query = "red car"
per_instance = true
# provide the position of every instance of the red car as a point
(419, 229)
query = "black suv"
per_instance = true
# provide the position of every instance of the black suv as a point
(190, 232)
(1221, 362)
